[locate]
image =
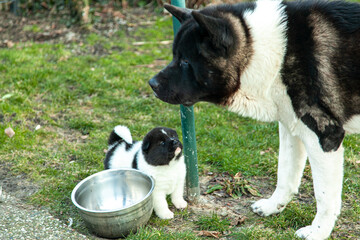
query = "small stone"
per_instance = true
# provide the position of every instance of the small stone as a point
(10, 132)
(1, 195)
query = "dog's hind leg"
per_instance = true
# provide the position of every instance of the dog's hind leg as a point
(292, 159)
(327, 171)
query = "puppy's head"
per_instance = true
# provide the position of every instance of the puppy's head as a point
(160, 146)
(208, 54)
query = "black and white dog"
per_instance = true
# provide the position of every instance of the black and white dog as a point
(159, 155)
(297, 63)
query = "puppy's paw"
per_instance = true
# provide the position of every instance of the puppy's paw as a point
(266, 207)
(180, 203)
(165, 214)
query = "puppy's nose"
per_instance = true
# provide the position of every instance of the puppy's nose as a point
(154, 84)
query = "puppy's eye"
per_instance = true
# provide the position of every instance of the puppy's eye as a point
(162, 143)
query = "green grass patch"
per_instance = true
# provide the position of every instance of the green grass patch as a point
(213, 223)
(294, 216)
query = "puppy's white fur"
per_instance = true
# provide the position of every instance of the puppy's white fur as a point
(270, 102)
(124, 132)
(169, 179)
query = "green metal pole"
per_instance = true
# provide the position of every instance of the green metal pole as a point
(188, 132)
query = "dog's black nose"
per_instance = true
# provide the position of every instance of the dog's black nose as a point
(153, 83)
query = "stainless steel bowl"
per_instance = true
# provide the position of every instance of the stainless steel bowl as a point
(114, 202)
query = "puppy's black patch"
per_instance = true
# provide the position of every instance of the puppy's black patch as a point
(159, 146)
(135, 161)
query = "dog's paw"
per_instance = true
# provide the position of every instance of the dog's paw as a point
(304, 232)
(266, 207)
(311, 233)
(165, 214)
(180, 203)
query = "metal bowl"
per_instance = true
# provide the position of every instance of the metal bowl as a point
(114, 202)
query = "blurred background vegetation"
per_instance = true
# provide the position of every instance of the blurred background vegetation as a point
(82, 10)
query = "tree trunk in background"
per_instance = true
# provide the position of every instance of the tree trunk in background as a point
(80, 10)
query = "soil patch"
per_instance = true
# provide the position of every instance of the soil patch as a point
(17, 185)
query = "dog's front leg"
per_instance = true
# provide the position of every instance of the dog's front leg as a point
(327, 171)
(161, 206)
(177, 197)
(292, 158)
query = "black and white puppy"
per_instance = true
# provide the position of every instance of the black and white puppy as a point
(159, 155)
(295, 62)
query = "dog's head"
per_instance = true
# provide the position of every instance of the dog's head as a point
(208, 57)
(160, 146)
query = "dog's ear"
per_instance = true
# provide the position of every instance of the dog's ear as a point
(145, 145)
(180, 13)
(218, 29)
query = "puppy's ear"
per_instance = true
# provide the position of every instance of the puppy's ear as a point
(180, 13)
(218, 29)
(145, 145)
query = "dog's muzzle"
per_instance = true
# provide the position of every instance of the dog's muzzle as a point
(154, 84)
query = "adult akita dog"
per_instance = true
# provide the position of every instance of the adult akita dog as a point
(293, 62)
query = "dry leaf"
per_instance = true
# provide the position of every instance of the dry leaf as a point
(63, 58)
(213, 234)
(118, 14)
(44, 5)
(10, 132)
(84, 137)
(9, 44)
(165, 42)
(238, 220)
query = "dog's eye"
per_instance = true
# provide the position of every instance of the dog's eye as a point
(184, 63)
(162, 143)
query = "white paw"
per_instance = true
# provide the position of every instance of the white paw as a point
(311, 233)
(180, 203)
(165, 214)
(266, 207)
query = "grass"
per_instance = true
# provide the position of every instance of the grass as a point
(213, 223)
(77, 97)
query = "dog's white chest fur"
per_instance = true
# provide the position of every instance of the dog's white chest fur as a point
(166, 177)
(267, 27)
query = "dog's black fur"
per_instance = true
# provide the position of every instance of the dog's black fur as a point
(301, 74)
